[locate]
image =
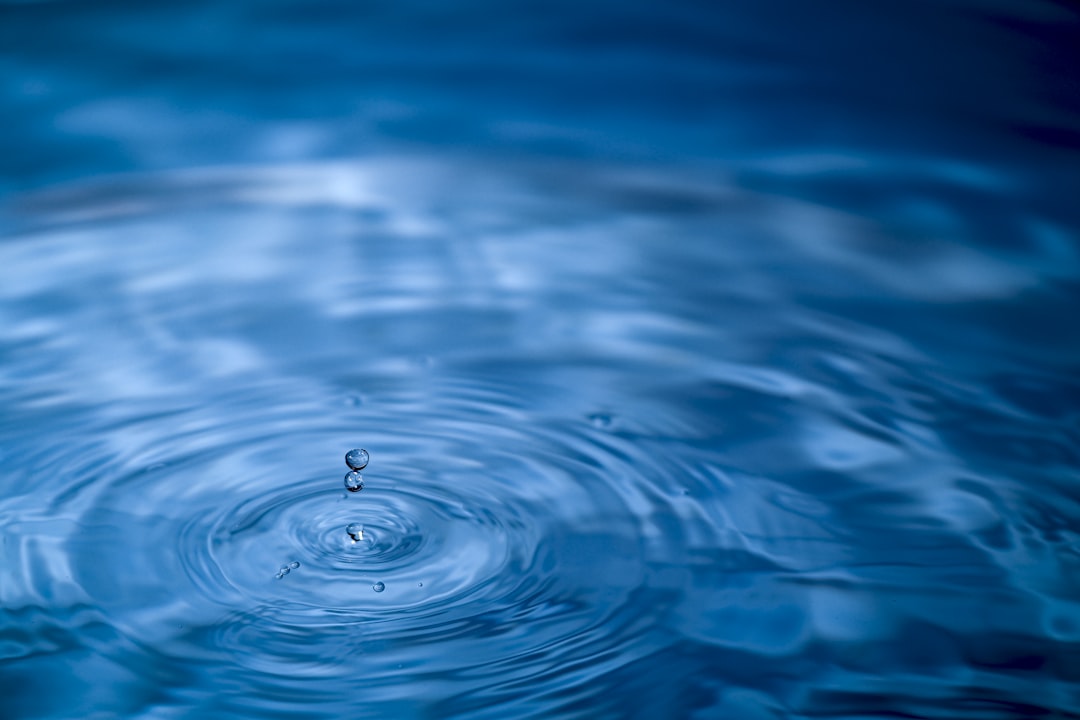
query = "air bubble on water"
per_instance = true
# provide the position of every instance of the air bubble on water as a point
(356, 532)
(419, 584)
(378, 587)
(354, 482)
(282, 571)
(357, 459)
(294, 564)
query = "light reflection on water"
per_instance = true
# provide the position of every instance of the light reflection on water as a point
(785, 433)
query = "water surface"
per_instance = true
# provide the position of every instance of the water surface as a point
(713, 363)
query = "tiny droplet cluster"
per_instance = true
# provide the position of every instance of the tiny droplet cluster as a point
(286, 569)
(357, 459)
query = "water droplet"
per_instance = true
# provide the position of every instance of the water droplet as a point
(354, 482)
(282, 571)
(294, 564)
(356, 532)
(419, 584)
(357, 459)
(378, 587)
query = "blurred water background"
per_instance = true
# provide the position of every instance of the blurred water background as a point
(715, 359)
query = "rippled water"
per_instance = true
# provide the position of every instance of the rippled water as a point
(660, 424)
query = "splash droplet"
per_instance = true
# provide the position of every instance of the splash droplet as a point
(294, 564)
(354, 482)
(378, 587)
(356, 532)
(357, 459)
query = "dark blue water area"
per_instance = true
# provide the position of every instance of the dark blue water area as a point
(714, 359)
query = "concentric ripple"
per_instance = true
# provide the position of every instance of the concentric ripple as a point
(592, 492)
(465, 554)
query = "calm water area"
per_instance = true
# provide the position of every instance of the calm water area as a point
(712, 359)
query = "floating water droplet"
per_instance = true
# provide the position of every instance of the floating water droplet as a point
(354, 482)
(282, 571)
(356, 532)
(357, 458)
(378, 587)
(419, 584)
(294, 564)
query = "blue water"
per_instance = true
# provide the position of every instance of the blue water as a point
(714, 359)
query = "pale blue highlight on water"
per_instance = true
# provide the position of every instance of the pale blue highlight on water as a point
(719, 360)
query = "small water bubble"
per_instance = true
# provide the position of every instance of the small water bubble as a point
(282, 571)
(354, 482)
(419, 584)
(357, 459)
(378, 587)
(294, 564)
(356, 532)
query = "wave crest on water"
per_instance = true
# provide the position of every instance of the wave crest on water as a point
(623, 427)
